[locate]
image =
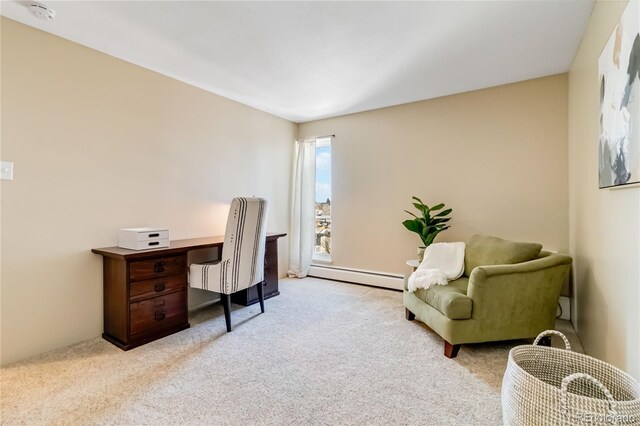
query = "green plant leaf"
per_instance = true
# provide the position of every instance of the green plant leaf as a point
(440, 219)
(430, 239)
(413, 225)
(426, 226)
(421, 207)
(430, 230)
(444, 212)
(411, 214)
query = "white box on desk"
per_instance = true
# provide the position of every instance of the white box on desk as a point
(143, 238)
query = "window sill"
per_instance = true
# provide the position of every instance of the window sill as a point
(321, 259)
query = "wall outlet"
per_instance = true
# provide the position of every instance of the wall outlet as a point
(564, 308)
(6, 170)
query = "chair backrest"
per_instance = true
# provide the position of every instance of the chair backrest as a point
(244, 244)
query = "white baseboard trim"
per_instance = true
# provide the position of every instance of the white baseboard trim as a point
(564, 308)
(358, 276)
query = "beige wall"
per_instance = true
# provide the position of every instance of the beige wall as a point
(605, 223)
(497, 156)
(100, 144)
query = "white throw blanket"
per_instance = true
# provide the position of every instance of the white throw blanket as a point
(443, 262)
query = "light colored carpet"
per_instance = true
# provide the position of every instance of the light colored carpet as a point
(324, 353)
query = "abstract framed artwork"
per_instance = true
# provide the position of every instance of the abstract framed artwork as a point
(619, 72)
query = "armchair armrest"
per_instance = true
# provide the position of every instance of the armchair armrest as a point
(519, 294)
(549, 260)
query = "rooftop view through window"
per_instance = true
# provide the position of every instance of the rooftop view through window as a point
(323, 199)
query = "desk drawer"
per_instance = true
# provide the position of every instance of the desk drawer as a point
(157, 267)
(158, 312)
(158, 286)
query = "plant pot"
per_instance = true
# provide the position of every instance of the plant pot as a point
(421, 253)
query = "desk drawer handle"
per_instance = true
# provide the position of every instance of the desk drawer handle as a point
(154, 243)
(159, 286)
(154, 235)
(159, 267)
(158, 303)
(159, 316)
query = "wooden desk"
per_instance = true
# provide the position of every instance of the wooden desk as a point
(145, 291)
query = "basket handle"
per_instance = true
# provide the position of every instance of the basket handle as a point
(567, 345)
(564, 390)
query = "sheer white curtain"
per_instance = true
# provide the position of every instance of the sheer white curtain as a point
(303, 209)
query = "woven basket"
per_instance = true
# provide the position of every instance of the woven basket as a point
(550, 386)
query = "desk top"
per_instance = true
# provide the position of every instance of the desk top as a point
(175, 247)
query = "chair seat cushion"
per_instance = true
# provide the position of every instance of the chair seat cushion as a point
(451, 299)
(482, 250)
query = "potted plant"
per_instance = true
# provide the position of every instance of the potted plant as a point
(427, 225)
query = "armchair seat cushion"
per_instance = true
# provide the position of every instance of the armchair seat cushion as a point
(451, 299)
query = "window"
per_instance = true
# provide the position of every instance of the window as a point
(322, 249)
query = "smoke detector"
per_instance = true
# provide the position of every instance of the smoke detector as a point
(41, 11)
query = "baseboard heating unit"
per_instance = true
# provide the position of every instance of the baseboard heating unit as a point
(358, 276)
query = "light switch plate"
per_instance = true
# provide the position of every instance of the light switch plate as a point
(6, 170)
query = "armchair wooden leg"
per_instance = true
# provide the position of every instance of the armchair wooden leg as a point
(226, 304)
(451, 351)
(410, 316)
(260, 287)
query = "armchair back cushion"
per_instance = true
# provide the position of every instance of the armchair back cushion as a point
(483, 250)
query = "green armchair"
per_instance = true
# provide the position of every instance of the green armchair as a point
(508, 291)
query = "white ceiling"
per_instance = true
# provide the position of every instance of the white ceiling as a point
(309, 60)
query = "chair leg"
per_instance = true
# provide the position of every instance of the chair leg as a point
(261, 295)
(226, 304)
(410, 316)
(451, 351)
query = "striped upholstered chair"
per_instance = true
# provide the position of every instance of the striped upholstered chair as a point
(242, 263)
